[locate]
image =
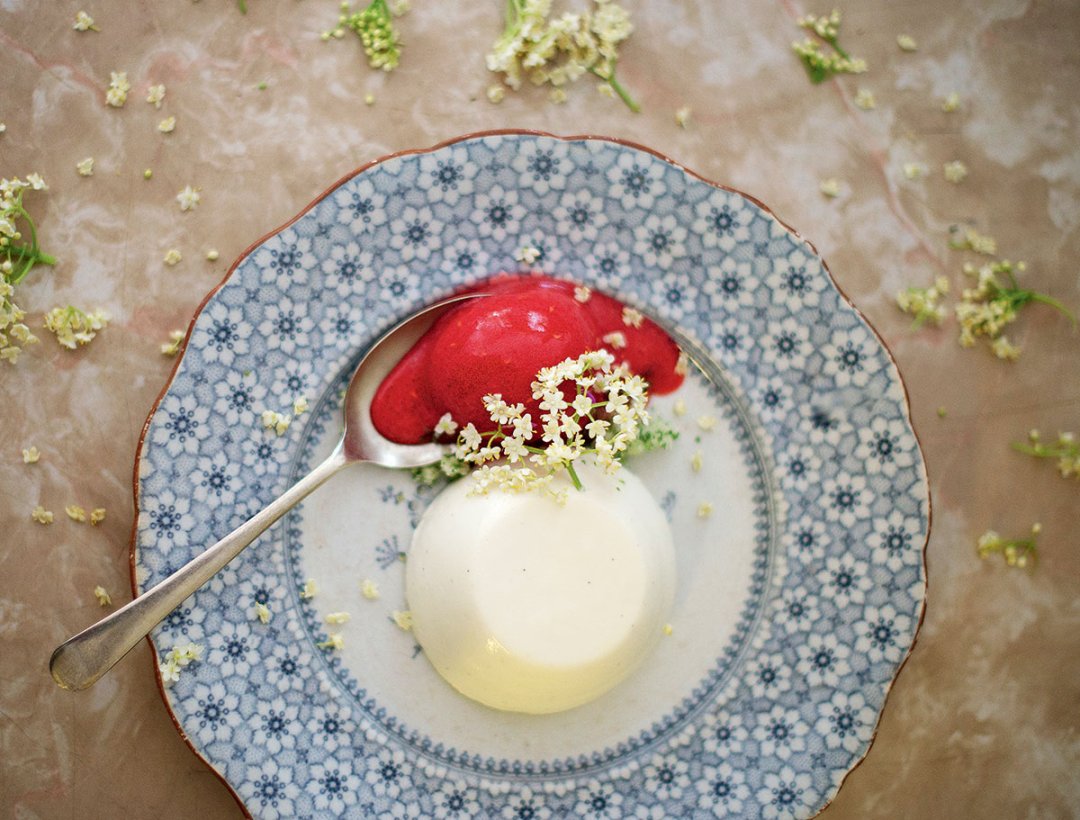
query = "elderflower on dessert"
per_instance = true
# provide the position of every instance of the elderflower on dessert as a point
(1017, 552)
(606, 413)
(924, 303)
(562, 50)
(119, 87)
(1066, 450)
(73, 327)
(821, 65)
(995, 302)
(85, 167)
(188, 198)
(631, 317)
(103, 597)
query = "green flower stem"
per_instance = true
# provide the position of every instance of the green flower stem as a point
(573, 475)
(618, 88)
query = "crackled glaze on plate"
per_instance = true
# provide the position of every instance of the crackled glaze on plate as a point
(762, 703)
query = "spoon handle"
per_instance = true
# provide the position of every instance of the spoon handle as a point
(80, 661)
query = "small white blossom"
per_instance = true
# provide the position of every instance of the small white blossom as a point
(616, 339)
(333, 641)
(682, 116)
(496, 93)
(262, 612)
(30, 455)
(632, 317)
(167, 126)
(705, 509)
(696, 462)
(97, 515)
(865, 99)
(309, 589)
(707, 423)
(155, 95)
(84, 22)
(299, 405)
(445, 426)
(582, 294)
(369, 589)
(119, 87)
(337, 618)
(85, 167)
(188, 198)
(75, 513)
(273, 420)
(527, 254)
(172, 347)
(914, 170)
(42, 515)
(74, 327)
(955, 171)
(172, 256)
(403, 619)
(830, 187)
(951, 102)
(102, 596)
(907, 42)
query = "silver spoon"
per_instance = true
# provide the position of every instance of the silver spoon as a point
(81, 660)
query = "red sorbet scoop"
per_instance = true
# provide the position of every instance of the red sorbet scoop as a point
(498, 343)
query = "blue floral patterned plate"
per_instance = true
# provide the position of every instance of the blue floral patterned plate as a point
(796, 492)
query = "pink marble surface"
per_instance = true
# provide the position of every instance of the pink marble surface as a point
(984, 720)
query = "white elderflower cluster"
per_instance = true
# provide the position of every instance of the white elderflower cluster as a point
(18, 254)
(119, 87)
(1066, 451)
(924, 303)
(74, 327)
(177, 658)
(1017, 552)
(589, 406)
(820, 65)
(560, 51)
(995, 302)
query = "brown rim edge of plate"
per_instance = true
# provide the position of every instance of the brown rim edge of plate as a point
(438, 146)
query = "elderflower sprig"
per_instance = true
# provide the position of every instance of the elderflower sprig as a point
(588, 406)
(562, 50)
(995, 302)
(374, 25)
(20, 254)
(924, 303)
(1018, 552)
(821, 65)
(1066, 450)
(74, 327)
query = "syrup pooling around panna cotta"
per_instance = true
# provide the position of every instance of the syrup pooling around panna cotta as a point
(542, 579)
(530, 607)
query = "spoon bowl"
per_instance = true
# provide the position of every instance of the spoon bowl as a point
(83, 659)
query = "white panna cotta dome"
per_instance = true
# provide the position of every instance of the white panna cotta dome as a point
(530, 606)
